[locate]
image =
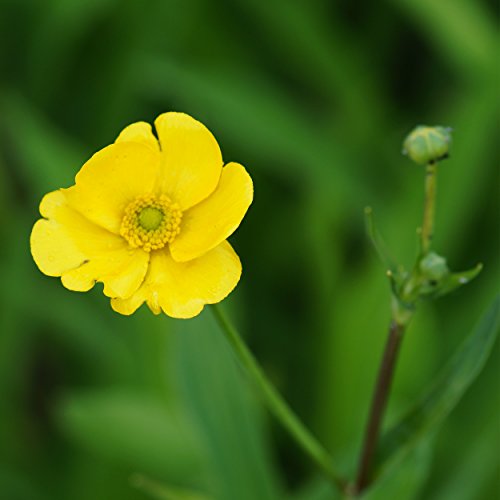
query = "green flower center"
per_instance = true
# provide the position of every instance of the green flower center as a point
(150, 218)
(151, 222)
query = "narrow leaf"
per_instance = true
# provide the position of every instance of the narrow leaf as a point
(444, 395)
(378, 243)
(224, 411)
(410, 477)
(161, 491)
(456, 280)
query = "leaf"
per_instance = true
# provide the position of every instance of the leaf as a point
(44, 156)
(221, 405)
(379, 244)
(444, 395)
(161, 491)
(409, 479)
(442, 22)
(471, 471)
(318, 488)
(138, 431)
(18, 483)
(456, 280)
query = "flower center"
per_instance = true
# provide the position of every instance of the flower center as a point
(150, 218)
(151, 222)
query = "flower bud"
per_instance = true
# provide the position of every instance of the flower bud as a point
(434, 267)
(427, 144)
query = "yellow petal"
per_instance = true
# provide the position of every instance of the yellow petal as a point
(182, 289)
(213, 220)
(192, 160)
(139, 132)
(122, 272)
(67, 244)
(111, 179)
(65, 238)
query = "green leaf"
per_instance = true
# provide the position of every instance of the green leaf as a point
(409, 478)
(456, 280)
(45, 156)
(138, 431)
(471, 471)
(318, 488)
(161, 491)
(223, 408)
(439, 401)
(379, 244)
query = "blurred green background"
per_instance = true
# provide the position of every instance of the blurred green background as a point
(314, 98)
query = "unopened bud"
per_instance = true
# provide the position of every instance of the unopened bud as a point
(427, 144)
(434, 267)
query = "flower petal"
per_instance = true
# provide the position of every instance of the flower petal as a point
(182, 289)
(111, 179)
(122, 272)
(213, 220)
(139, 132)
(67, 244)
(192, 160)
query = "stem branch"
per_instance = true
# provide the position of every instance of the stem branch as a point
(379, 404)
(275, 402)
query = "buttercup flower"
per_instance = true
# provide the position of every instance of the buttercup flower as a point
(148, 218)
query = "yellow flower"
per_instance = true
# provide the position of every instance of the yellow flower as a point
(149, 219)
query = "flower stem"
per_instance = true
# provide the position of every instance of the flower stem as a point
(275, 402)
(379, 403)
(429, 207)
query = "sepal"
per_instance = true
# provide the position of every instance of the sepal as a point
(455, 280)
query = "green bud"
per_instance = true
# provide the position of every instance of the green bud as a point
(427, 144)
(434, 267)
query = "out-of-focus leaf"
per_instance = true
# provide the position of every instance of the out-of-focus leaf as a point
(471, 50)
(446, 392)
(238, 464)
(475, 467)
(15, 484)
(66, 20)
(44, 156)
(318, 489)
(378, 243)
(135, 430)
(314, 51)
(161, 491)
(475, 122)
(409, 477)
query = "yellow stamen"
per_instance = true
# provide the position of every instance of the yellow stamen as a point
(151, 222)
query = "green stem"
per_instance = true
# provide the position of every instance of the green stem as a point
(429, 207)
(275, 402)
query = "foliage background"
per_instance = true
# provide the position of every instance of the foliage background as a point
(314, 97)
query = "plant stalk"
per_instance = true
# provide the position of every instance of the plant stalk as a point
(378, 406)
(429, 207)
(275, 402)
